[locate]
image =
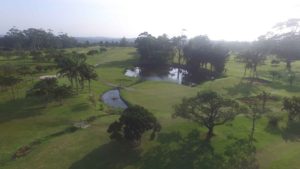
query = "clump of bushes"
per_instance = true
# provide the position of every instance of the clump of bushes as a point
(273, 121)
(103, 49)
(275, 62)
(92, 52)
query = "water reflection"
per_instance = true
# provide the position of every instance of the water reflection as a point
(175, 75)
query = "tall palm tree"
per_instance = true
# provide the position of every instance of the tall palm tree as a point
(88, 73)
(76, 69)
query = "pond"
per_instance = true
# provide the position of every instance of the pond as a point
(174, 75)
(112, 98)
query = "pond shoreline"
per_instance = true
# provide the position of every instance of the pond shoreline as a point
(114, 99)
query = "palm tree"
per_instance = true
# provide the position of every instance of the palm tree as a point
(72, 67)
(88, 73)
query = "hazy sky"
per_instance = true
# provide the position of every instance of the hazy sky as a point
(219, 19)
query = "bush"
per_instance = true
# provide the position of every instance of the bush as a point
(274, 121)
(92, 52)
(275, 62)
(102, 49)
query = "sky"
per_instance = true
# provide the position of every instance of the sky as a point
(242, 20)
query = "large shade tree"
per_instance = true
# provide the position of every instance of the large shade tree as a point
(43, 89)
(292, 106)
(48, 89)
(154, 52)
(179, 43)
(208, 109)
(205, 58)
(134, 121)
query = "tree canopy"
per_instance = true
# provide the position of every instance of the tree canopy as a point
(134, 121)
(208, 109)
(35, 39)
(200, 51)
(154, 52)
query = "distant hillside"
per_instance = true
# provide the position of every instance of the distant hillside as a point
(99, 39)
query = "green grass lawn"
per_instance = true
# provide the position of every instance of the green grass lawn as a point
(25, 120)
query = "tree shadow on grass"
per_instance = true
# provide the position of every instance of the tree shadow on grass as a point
(20, 108)
(177, 152)
(281, 86)
(120, 63)
(80, 107)
(112, 155)
(273, 130)
(174, 151)
(245, 89)
(291, 132)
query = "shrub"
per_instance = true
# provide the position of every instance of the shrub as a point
(92, 52)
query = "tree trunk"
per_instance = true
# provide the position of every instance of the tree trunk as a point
(76, 81)
(89, 86)
(13, 93)
(210, 133)
(289, 65)
(251, 137)
(245, 71)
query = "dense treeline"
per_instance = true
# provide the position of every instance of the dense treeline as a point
(154, 52)
(199, 56)
(35, 39)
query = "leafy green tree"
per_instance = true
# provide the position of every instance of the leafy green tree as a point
(48, 89)
(25, 71)
(87, 72)
(11, 82)
(241, 154)
(154, 52)
(35, 39)
(134, 121)
(275, 74)
(37, 55)
(61, 92)
(291, 78)
(14, 39)
(92, 52)
(75, 68)
(284, 43)
(252, 58)
(207, 109)
(7, 69)
(292, 106)
(254, 114)
(179, 43)
(264, 97)
(43, 89)
(123, 42)
(201, 52)
(103, 49)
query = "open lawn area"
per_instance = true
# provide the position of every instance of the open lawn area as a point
(26, 121)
